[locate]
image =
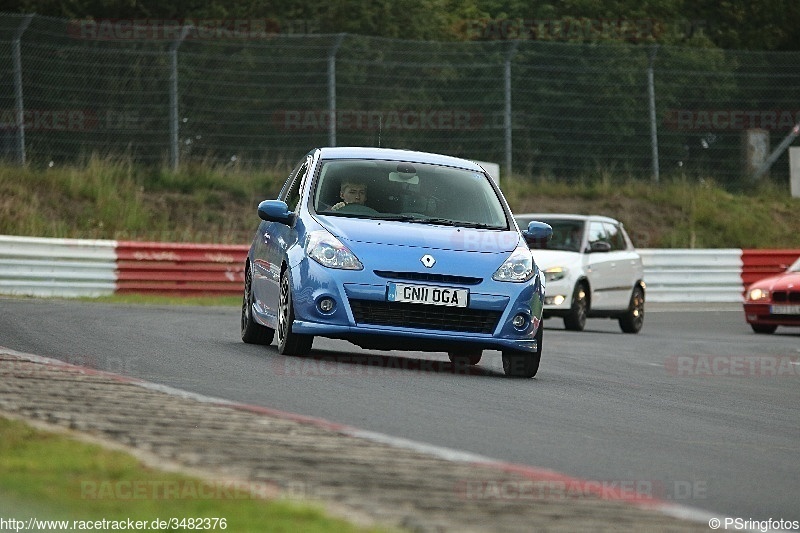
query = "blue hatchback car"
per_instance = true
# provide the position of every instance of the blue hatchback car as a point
(395, 249)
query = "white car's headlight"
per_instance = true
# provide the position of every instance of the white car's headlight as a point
(757, 294)
(555, 273)
(517, 268)
(328, 251)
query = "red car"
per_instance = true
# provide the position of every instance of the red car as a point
(774, 301)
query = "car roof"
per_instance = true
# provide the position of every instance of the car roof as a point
(566, 216)
(391, 154)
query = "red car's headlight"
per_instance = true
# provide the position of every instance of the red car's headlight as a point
(755, 295)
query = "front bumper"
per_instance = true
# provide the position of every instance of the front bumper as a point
(499, 301)
(761, 313)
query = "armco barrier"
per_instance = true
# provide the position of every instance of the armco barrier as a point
(151, 267)
(682, 275)
(75, 267)
(759, 264)
(57, 267)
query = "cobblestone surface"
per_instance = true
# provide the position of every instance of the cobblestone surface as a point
(366, 481)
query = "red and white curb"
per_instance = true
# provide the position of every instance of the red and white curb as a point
(449, 454)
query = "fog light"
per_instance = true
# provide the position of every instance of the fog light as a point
(519, 321)
(558, 299)
(326, 305)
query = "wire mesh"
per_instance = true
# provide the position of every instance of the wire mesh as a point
(572, 111)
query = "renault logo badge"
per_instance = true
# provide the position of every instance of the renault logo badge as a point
(428, 260)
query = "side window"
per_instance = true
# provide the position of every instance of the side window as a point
(291, 195)
(615, 238)
(597, 233)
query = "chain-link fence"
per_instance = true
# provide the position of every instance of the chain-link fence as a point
(162, 93)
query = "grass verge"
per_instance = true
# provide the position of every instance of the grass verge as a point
(116, 199)
(157, 299)
(49, 476)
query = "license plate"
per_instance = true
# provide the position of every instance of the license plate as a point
(427, 294)
(785, 309)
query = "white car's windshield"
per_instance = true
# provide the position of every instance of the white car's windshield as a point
(567, 235)
(416, 192)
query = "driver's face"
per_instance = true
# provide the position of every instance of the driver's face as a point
(354, 193)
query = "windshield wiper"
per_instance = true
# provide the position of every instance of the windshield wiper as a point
(457, 223)
(440, 221)
(401, 218)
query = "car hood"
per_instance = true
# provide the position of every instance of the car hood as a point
(785, 281)
(388, 232)
(551, 258)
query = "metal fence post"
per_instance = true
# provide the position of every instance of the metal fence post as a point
(651, 96)
(332, 89)
(174, 154)
(777, 152)
(507, 111)
(19, 107)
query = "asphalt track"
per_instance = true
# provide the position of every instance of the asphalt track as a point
(696, 409)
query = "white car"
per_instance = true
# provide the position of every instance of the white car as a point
(591, 269)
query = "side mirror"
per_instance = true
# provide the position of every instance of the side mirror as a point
(537, 234)
(600, 246)
(275, 211)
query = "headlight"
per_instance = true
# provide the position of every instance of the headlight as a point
(757, 294)
(517, 268)
(328, 251)
(555, 273)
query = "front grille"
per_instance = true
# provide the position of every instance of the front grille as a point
(426, 276)
(784, 297)
(422, 316)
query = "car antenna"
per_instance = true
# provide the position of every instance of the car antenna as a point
(380, 129)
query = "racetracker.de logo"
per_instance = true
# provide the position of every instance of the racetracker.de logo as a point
(172, 29)
(732, 365)
(572, 489)
(731, 119)
(352, 119)
(578, 29)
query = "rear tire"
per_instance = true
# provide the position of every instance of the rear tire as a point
(465, 357)
(764, 328)
(633, 319)
(523, 364)
(252, 331)
(576, 319)
(289, 343)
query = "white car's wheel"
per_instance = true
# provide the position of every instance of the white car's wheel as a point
(633, 319)
(576, 319)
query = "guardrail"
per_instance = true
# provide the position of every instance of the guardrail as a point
(684, 275)
(169, 268)
(57, 267)
(35, 266)
(759, 264)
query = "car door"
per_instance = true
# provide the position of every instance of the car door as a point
(622, 270)
(599, 260)
(274, 239)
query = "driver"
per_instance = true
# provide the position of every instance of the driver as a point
(351, 192)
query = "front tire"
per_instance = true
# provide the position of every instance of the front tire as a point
(252, 331)
(633, 319)
(523, 364)
(764, 328)
(289, 343)
(576, 319)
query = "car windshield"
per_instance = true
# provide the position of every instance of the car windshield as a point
(795, 266)
(567, 234)
(413, 192)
